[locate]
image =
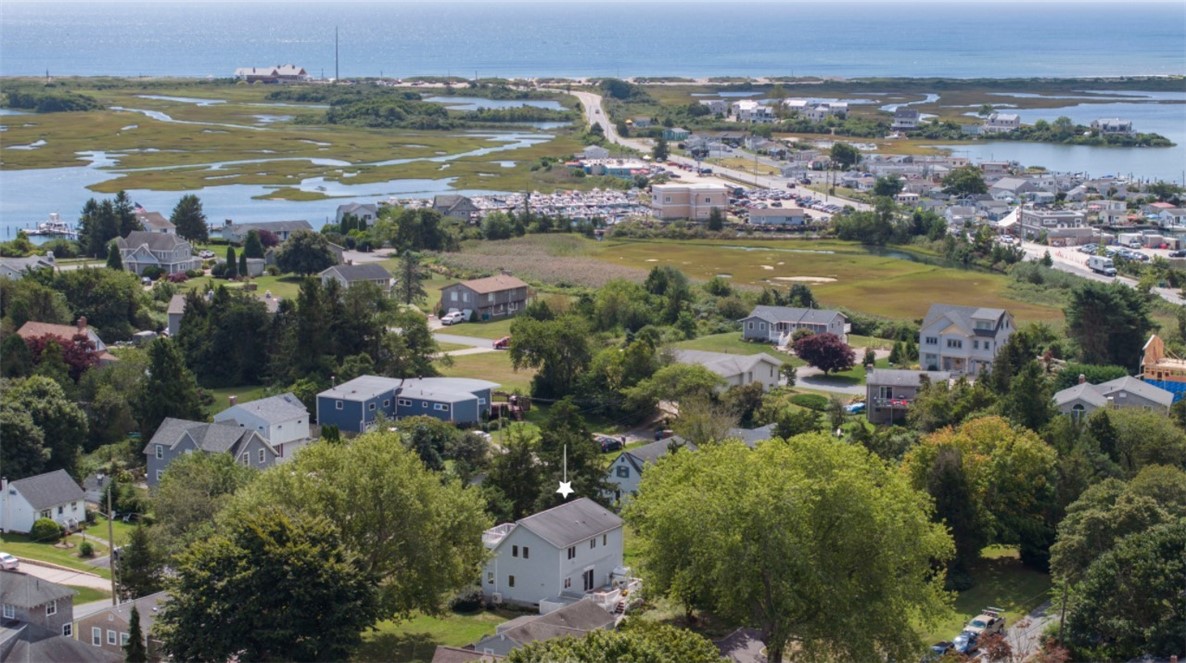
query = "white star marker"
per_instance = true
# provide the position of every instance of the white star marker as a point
(565, 485)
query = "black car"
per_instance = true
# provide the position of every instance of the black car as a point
(1180, 253)
(607, 443)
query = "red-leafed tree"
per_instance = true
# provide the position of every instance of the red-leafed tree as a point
(268, 239)
(825, 352)
(79, 353)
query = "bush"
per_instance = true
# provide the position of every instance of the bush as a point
(179, 277)
(45, 531)
(194, 273)
(90, 517)
(218, 271)
(152, 272)
(811, 401)
(272, 270)
(85, 549)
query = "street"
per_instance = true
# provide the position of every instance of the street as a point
(1070, 260)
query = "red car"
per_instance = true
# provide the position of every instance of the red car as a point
(502, 343)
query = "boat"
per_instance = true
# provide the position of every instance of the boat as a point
(54, 227)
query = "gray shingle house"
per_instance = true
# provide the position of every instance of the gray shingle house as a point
(456, 206)
(282, 420)
(736, 370)
(776, 324)
(365, 212)
(175, 437)
(54, 495)
(890, 392)
(626, 470)
(237, 232)
(30, 600)
(28, 642)
(107, 629)
(963, 340)
(555, 557)
(142, 249)
(1084, 398)
(573, 620)
(348, 275)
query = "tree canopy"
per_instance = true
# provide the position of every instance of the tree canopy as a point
(635, 641)
(305, 252)
(964, 181)
(826, 352)
(779, 538)
(190, 219)
(1109, 321)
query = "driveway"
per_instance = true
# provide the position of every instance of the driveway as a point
(76, 578)
(472, 341)
(1025, 636)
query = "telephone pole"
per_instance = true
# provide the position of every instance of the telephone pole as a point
(111, 541)
(337, 75)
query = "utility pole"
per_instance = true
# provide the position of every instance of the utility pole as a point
(111, 541)
(337, 74)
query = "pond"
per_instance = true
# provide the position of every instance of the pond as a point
(474, 103)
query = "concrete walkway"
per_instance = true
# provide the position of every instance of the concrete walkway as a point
(64, 577)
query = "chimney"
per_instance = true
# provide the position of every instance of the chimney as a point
(232, 400)
(82, 324)
(1082, 378)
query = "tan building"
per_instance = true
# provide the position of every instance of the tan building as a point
(688, 201)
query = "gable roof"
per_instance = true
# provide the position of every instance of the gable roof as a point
(176, 305)
(802, 316)
(154, 220)
(444, 654)
(496, 283)
(1138, 387)
(724, 364)
(962, 317)
(571, 522)
(49, 489)
(1085, 392)
(273, 409)
(29, 263)
(154, 241)
(638, 457)
(30, 642)
(26, 591)
(891, 377)
(574, 619)
(752, 436)
(450, 202)
(149, 607)
(271, 226)
(218, 437)
(370, 271)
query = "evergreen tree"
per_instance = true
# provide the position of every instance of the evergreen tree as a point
(565, 437)
(169, 390)
(870, 357)
(135, 651)
(52, 364)
(15, 359)
(661, 151)
(114, 261)
(190, 220)
(252, 246)
(125, 215)
(139, 570)
(409, 285)
(232, 265)
(312, 330)
(1028, 401)
(716, 219)
(88, 222)
(243, 265)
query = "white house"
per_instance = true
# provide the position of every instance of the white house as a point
(52, 495)
(905, 119)
(1113, 126)
(1001, 123)
(626, 470)
(281, 420)
(554, 557)
(963, 340)
(748, 110)
(737, 370)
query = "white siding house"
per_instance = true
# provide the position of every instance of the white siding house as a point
(737, 370)
(281, 420)
(554, 557)
(963, 340)
(52, 495)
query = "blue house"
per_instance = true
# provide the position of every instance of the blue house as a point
(352, 406)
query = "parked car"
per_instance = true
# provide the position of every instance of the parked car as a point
(855, 408)
(965, 642)
(502, 343)
(8, 562)
(1180, 253)
(608, 443)
(452, 318)
(989, 621)
(206, 255)
(937, 651)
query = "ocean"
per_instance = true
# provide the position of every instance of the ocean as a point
(830, 39)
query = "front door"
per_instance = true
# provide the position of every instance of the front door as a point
(588, 578)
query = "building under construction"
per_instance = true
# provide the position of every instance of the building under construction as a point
(1162, 369)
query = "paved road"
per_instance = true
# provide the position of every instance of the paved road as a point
(472, 341)
(76, 578)
(1068, 259)
(1025, 636)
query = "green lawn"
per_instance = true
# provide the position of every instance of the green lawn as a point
(1001, 581)
(492, 330)
(493, 366)
(281, 287)
(21, 546)
(121, 530)
(244, 394)
(858, 341)
(88, 594)
(856, 374)
(449, 347)
(415, 640)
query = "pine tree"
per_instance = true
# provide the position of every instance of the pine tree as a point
(895, 356)
(125, 216)
(232, 265)
(190, 220)
(716, 219)
(243, 264)
(169, 390)
(138, 571)
(409, 286)
(114, 261)
(135, 651)
(15, 359)
(252, 246)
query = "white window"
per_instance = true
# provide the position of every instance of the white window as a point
(749, 325)
(514, 551)
(453, 296)
(567, 583)
(443, 407)
(110, 637)
(261, 456)
(61, 509)
(46, 514)
(9, 611)
(526, 552)
(51, 608)
(623, 472)
(481, 401)
(245, 459)
(955, 343)
(975, 344)
(96, 636)
(159, 474)
(666, 199)
(423, 405)
(403, 402)
(490, 298)
(593, 543)
(123, 639)
(338, 405)
(490, 577)
(160, 451)
(68, 629)
(708, 199)
(932, 340)
(387, 403)
(371, 407)
(510, 581)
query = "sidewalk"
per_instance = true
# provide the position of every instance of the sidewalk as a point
(63, 576)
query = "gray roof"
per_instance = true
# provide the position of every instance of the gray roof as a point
(177, 305)
(653, 451)
(370, 271)
(354, 208)
(890, 377)
(963, 316)
(272, 226)
(31, 262)
(724, 364)
(26, 591)
(362, 388)
(574, 619)
(149, 608)
(154, 241)
(776, 314)
(1138, 387)
(218, 437)
(444, 654)
(274, 409)
(752, 436)
(30, 642)
(370, 386)
(49, 489)
(572, 522)
(450, 202)
(1085, 392)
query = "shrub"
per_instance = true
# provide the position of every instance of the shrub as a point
(272, 270)
(194, 273)
(218, 271)
(45, 531)
(179, 277)
(811, 401)
(153, 272)
(90, 517)
(85, 549)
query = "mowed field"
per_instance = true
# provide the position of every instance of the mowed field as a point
(839, 273)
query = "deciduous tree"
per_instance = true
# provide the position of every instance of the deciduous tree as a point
(305, 253)
(190, 219)
(965, 181)
(826, 352)
(192, 492)
(636, 641)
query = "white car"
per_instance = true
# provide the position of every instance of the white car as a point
(8, 562)
(452, 318)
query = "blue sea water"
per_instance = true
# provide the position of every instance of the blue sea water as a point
(847, 39)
